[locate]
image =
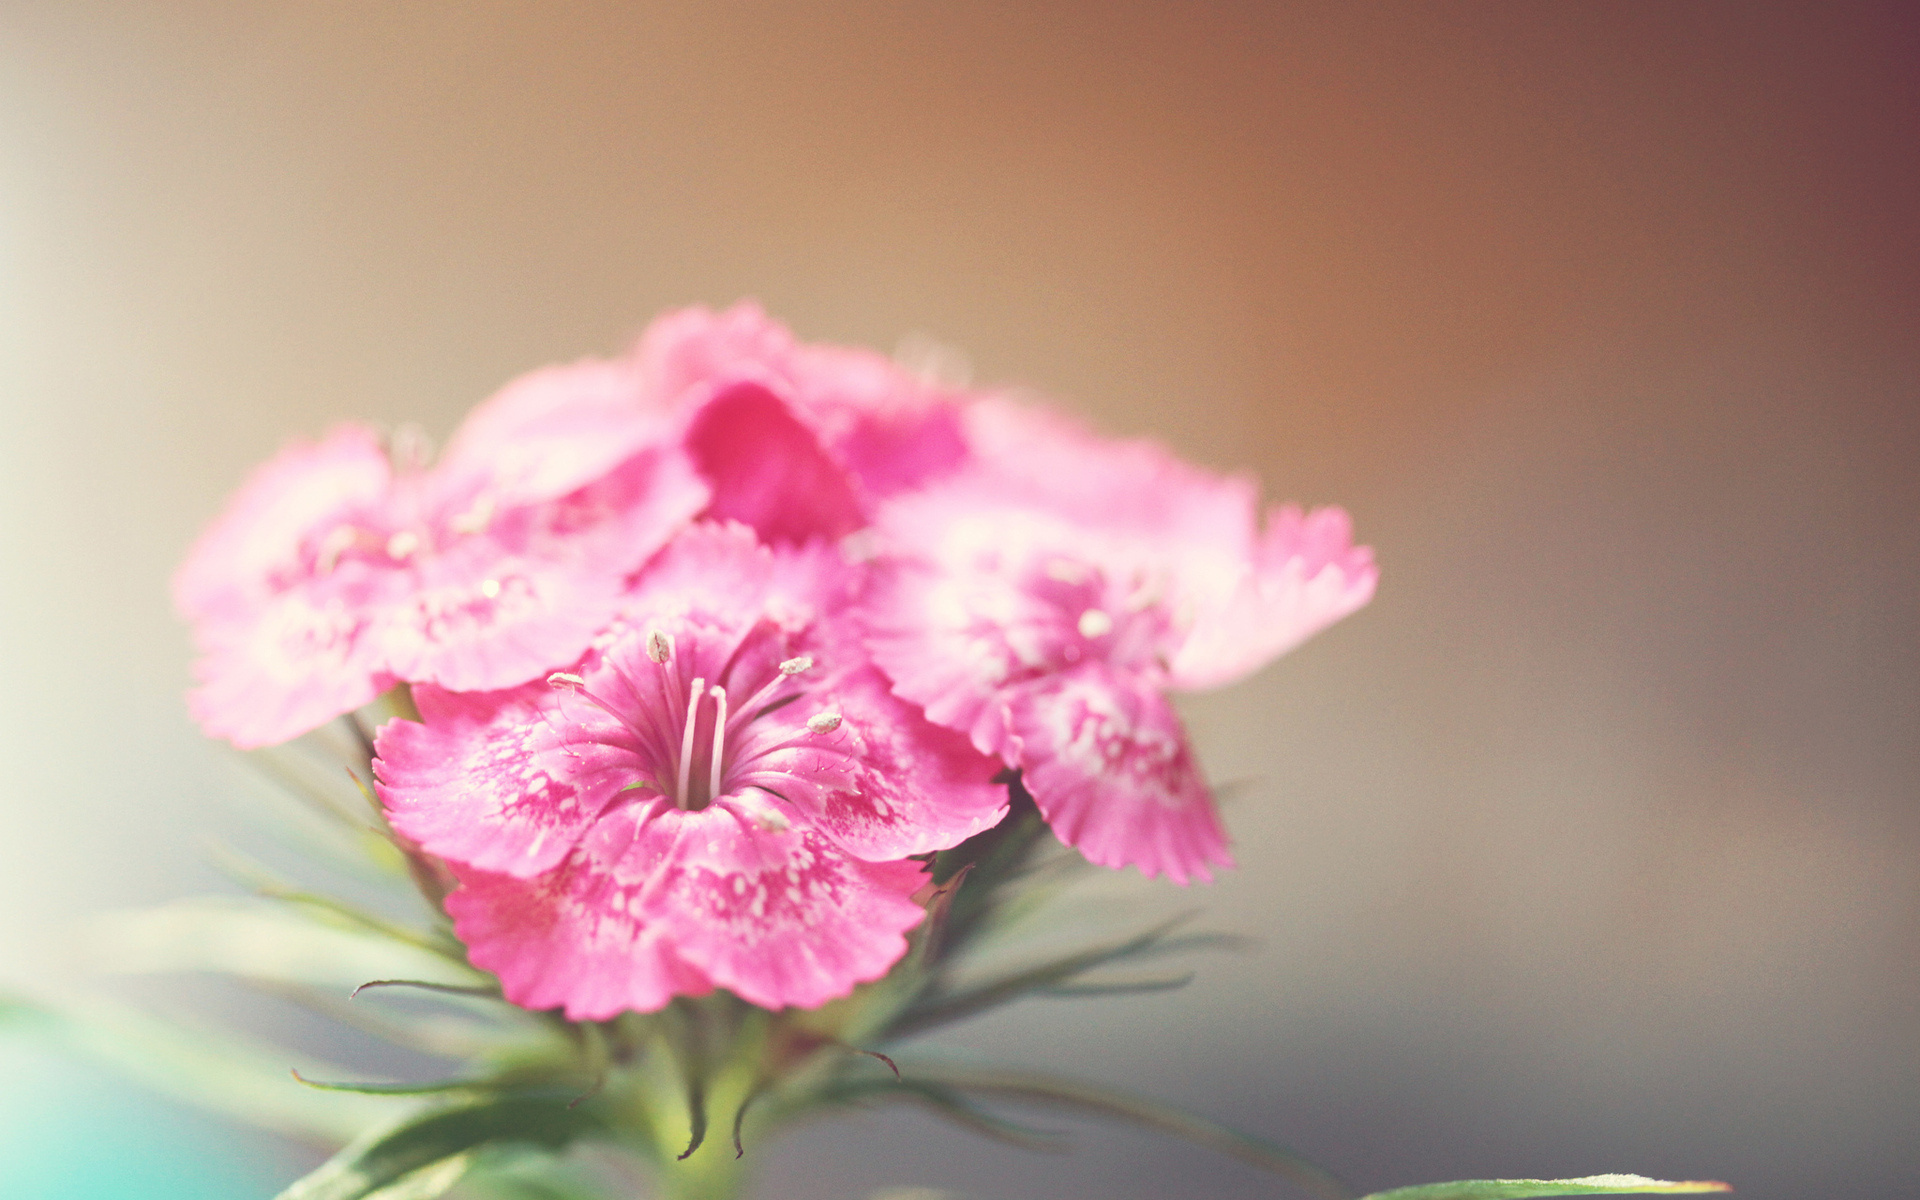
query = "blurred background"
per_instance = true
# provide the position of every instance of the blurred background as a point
(1590, 846)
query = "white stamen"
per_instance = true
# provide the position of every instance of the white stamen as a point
(402, 544)
(490, 588)
(719, 695)
(564, 679)
(1095, 623)
(659, 647)
(475, 519)
(825, 722)
(338, 542)
(686, 742)
(794, 666)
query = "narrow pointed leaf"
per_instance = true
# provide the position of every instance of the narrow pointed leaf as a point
(951, 1105)
(393, 1089)
(941, 1010)
(1136, 987)
(1096, 1100)
(1526, 1189)
(386, 1157)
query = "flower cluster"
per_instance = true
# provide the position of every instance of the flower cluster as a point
(713, 643)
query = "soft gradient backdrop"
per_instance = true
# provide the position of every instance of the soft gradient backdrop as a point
(1590, 846)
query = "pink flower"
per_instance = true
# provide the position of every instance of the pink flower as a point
(1044, 599)
(722, 793)
(798, 441)
(336, 572)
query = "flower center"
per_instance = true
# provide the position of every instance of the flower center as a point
(695, 743)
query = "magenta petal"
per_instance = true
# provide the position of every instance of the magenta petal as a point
(505, 782)
(884, 783)
(769, 471)
(569, 940)
(1108, 765)
(774, 911)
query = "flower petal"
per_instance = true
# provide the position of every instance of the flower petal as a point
(769, 471)
(779, 916)
(504, 782)
(1108, 765)
(569, 940)
(883, 782)
(288, 502)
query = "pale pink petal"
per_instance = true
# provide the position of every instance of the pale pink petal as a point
(950, 642)
(271, 525)
(555, 430)
(504, 782)
(569, 939)
(281, 667)
(687, 354)
(1306, 575)
(1108, 766)
(525, 595)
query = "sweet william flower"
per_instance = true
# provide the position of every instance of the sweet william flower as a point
(1044, 598)
(340, 568)
(723, 792)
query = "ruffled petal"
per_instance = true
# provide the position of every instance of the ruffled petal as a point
(271, 670)
(1108, 766)
(773, 910)
(570, 940)
(953, 640)
(271, 523)
(505, 782)
(882, 783)
(527, 595)
(553, 431)
(1305, 575)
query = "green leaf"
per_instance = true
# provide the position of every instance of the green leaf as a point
(1525, 1189)
(387, 1157)
(1052, 1091)
(951, 1105)
(395, 1089)
(1132, 987)
(954, 1006)
(429, 1182)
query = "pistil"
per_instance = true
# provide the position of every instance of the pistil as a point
(719, 742)
(686, 742)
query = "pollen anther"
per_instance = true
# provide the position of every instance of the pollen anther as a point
(565, 679)
(794, 666)
(1095, 623)
(825, 722)
(659, 646)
